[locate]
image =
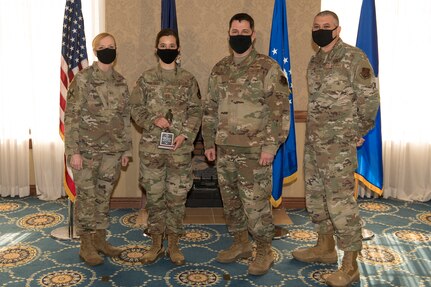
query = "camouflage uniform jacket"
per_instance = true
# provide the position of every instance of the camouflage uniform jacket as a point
(247, 104)
(156, 92)
(343, 96)
(97, 117)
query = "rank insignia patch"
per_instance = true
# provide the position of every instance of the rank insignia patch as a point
(365, 73)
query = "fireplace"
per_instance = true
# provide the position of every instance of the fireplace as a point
(204, 192)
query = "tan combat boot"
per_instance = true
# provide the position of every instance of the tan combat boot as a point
(142, 219)
(88, 252)
(156, 251)
(174, 252)
(348, 272)
(323, 252)
(263, 260)
(240, 248)
(99, 241)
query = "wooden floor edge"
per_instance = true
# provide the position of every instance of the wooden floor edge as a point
(125, 202)
(293, 202)
(135, 202)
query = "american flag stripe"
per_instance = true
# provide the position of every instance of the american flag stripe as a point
(73, 59)
(69, 184)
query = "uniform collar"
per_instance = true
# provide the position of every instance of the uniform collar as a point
(111, 74)
(247, 61)
(334, 49)
(168, 75)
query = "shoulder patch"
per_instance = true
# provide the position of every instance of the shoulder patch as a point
(365, 73)
(283, 80)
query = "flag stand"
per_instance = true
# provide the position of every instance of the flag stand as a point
(366, 233)
(66, 232)
(280, 221)
(280, 232)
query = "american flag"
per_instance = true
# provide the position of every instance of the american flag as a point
(73, 59)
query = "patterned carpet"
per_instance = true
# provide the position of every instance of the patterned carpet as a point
(398, 255)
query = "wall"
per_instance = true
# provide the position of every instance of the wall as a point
(203, 26)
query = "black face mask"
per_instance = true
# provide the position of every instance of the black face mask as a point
(106, 56)
(167, 55)
(240, 43)
(323, 37)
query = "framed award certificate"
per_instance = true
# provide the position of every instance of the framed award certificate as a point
(166, 140)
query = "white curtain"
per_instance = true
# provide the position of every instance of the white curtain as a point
(404, 41)
(15, 82)
(406, 106)
(30, 51)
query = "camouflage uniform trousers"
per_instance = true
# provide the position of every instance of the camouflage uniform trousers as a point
(167, 178)
(95, 184)
(245, 188)
(329, 195)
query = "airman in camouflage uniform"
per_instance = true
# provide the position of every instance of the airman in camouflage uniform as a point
(97, 144)
(246, 114)
(166, 98)
(342, 106)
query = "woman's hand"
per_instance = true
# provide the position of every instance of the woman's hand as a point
(162, 123)
(76, 161)
(178, 141)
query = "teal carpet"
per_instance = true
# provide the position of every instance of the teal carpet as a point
(398, 255)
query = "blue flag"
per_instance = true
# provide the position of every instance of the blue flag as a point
(370, 159)
(169, 15)
(285, 165)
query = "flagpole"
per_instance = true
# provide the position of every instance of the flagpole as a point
(67, 232)
(285, 166)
